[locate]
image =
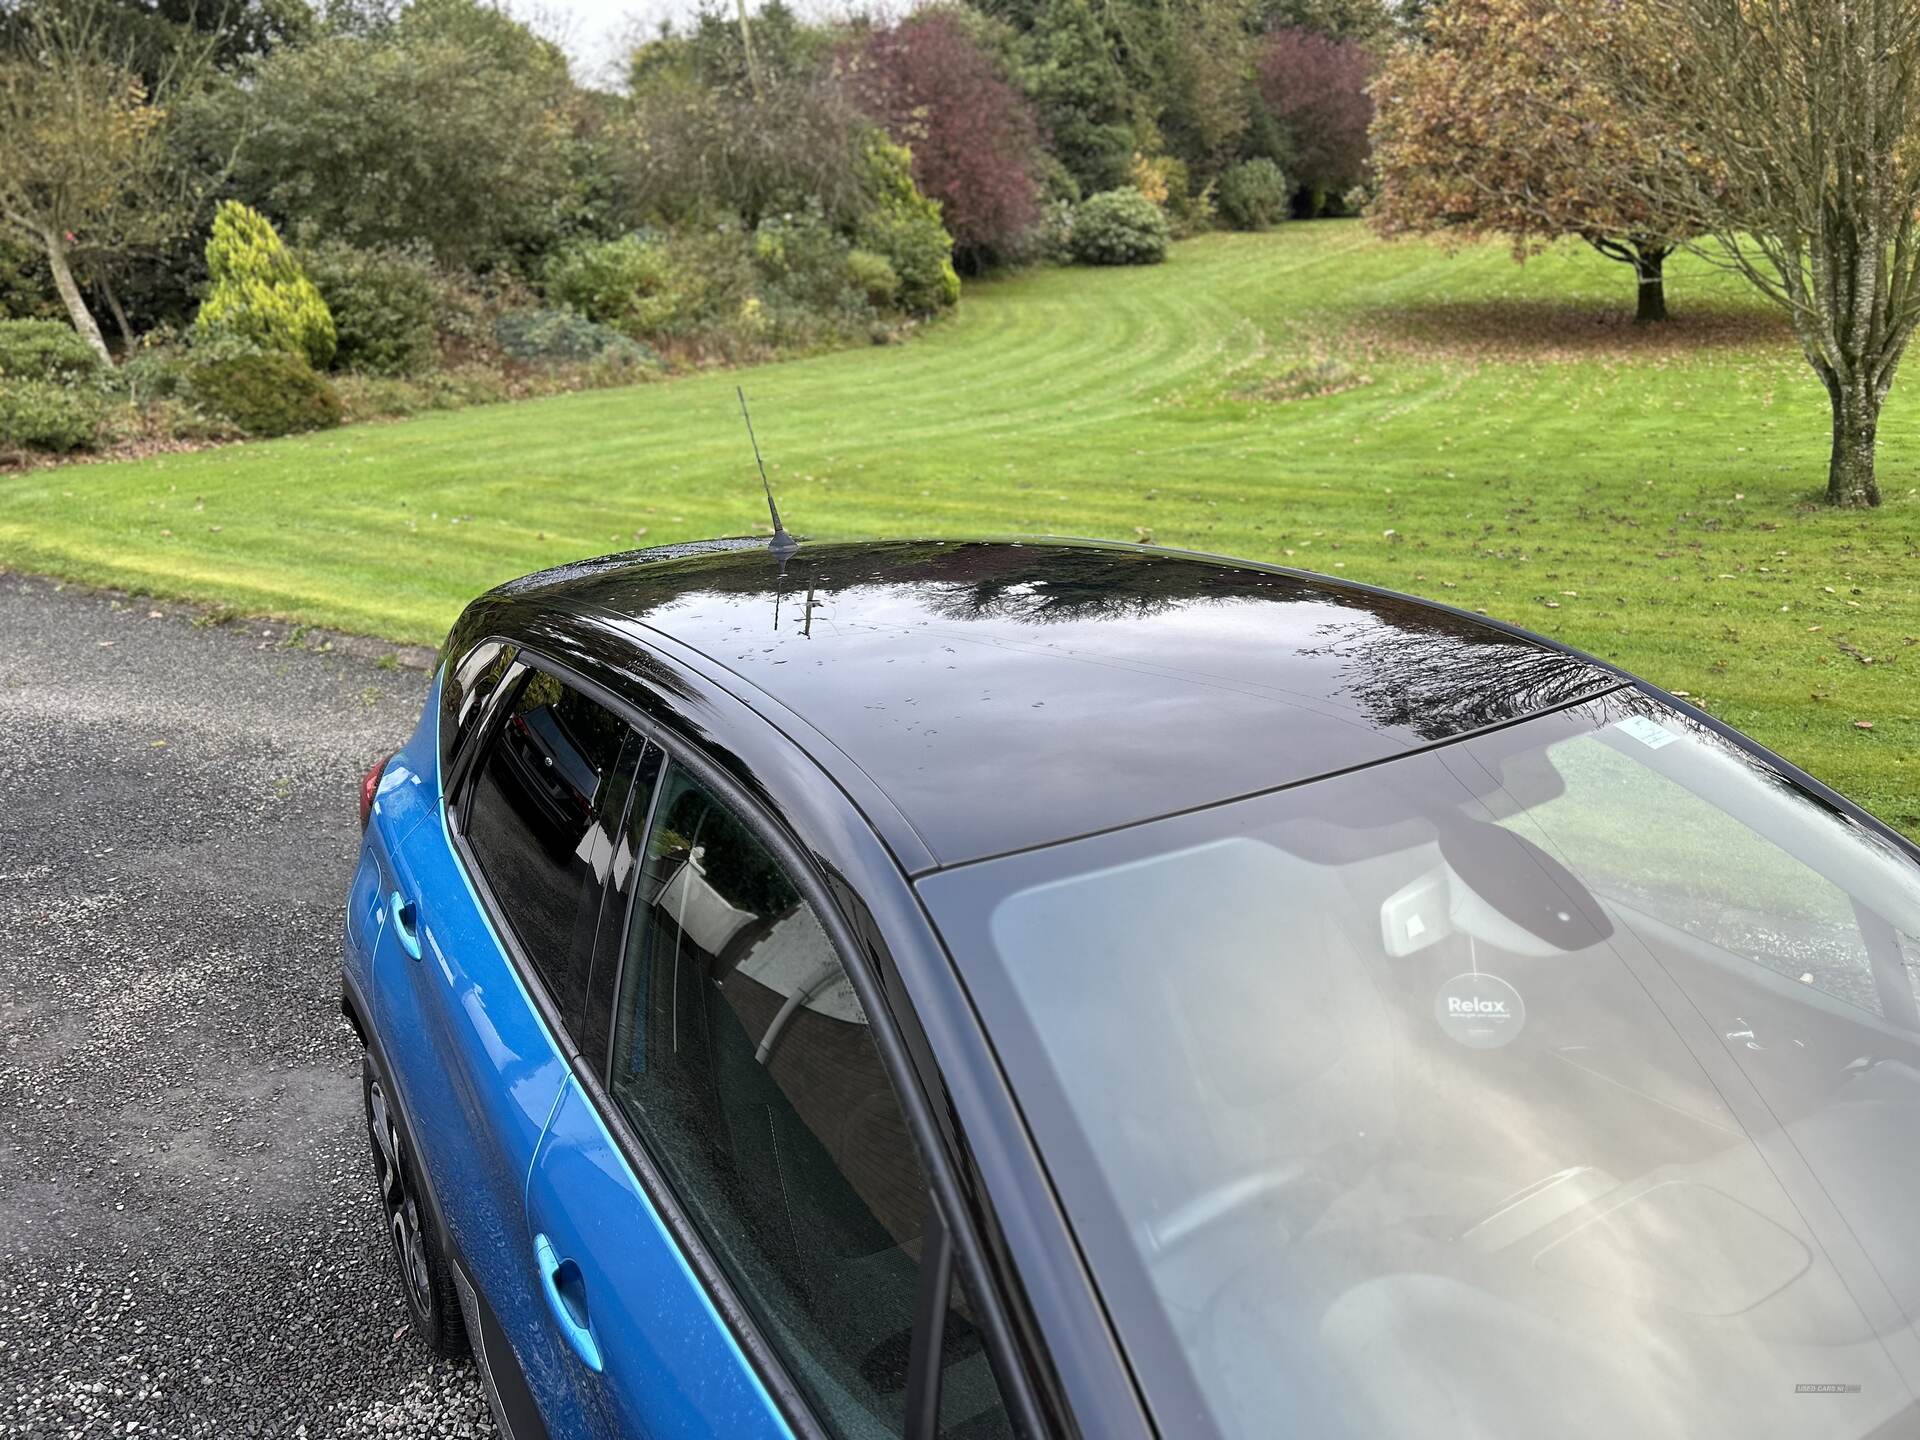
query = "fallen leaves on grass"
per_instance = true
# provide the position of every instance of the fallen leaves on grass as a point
(1505, 331)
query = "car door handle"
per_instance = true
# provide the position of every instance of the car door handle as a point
(566, 1290)
(406, 920)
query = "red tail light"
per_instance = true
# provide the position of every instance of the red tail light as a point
(370, 786)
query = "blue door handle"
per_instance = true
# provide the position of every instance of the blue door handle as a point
(405, 924)
(566, 1290)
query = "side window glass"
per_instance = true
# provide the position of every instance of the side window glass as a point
(970, 1404)
(468, 681)
(546, 804)
(742, 1056)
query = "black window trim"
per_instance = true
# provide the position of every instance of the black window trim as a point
(946, 1208)
(456, 755)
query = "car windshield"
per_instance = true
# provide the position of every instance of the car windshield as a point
(1560, 1080)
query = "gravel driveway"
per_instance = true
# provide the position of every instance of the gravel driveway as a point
(189, 1240)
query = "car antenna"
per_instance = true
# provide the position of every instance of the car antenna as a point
(782, 545)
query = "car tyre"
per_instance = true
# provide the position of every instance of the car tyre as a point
(426, 1282)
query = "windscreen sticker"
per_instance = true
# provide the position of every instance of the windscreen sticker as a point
(1650, 733)
(1482, 1012)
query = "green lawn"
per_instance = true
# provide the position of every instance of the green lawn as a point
(1456, 426)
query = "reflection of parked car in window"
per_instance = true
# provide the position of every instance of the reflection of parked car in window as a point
(549, 768)
(1045, 989)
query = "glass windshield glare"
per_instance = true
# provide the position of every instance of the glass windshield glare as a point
(1564, 1080)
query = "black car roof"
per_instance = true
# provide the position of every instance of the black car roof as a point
(1006, 694)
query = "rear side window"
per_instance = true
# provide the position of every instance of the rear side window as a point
(743, 1058)
(547, 801)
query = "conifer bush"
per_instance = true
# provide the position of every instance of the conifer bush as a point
(259, 293)
(904, 226)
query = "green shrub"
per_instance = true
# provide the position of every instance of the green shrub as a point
(205, 345)
(1120, 227)
(1253, 194)
(714, 284)
(47, 415)
(904, 226)
(383, 304)
(462, 385)
(26, 289)
(156, 372)
(874, 276)
(271, 393)
(259, 292)
(46, 350)
(812, 293)
(178, 418)
(626, 283)
(380, 397)
(801, 255)
(1050, 242)
(549, 337)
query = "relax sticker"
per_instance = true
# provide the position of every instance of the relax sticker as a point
(1482, 1012)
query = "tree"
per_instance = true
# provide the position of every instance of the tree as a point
(1793, 149)
(1315, 87)
(1081, 94)
(711, 53)
(746, 48)
(1502, 123)
(1369, 20)
(455, 129)
(1210, 100)
(85, 166)
(701, 153)
(234, 29)
(973, 137)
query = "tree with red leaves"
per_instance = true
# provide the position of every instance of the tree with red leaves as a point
(974, 140)
(1315, 87)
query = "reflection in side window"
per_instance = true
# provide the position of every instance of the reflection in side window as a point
(540, 819)
(743, 1058)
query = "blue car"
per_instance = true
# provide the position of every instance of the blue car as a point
(1058, 989)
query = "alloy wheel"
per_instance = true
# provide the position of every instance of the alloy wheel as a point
(402, 1206)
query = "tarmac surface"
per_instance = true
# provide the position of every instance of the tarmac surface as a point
(190, 1241)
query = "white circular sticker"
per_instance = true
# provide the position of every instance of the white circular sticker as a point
(1483, 1012)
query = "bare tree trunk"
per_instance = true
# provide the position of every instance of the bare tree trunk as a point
(1648, 262)
(70, 293)
(105, 287)
(1856, 424)
(746, 44)
(1648, 259)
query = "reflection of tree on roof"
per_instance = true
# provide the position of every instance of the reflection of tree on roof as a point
(1038, 583)
(1438, 675)
(1403, 664)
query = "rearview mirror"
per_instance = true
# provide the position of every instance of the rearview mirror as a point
(1521, 883)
